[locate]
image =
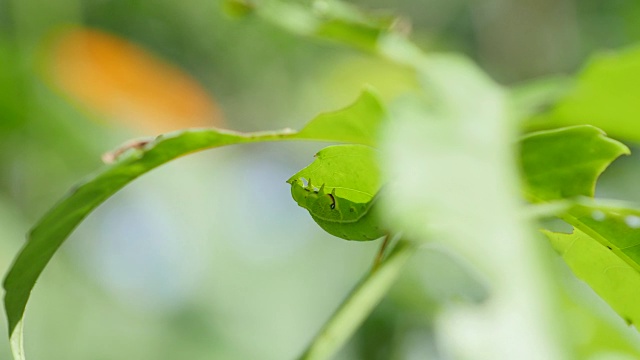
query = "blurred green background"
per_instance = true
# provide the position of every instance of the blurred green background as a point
(208, 257)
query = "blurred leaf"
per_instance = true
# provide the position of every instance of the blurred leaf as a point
(449, 155)
(357, 35)
(357, 123)
(328, 19)
(342, 22)
(359, 304)
(13, 99)
(605, 96)
(566, 163)
(612, 278)
(347, 180)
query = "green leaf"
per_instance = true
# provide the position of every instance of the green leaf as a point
(358, 123)
(565, 163)
(343, 23)
(605, 96)
(339, 190)
(613, 226)
(608, 275)
(359, 304)
(605, 245)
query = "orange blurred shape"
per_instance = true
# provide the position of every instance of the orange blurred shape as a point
(125, 84)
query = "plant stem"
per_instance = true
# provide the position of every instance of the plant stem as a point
(380, 256)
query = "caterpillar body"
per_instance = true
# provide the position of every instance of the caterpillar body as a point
(349, 214)
(338, 216)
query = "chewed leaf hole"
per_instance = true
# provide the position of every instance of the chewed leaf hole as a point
(305, 182)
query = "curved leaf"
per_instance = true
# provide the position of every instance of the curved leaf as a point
(347, 180)
(566, 162)
(358, 123)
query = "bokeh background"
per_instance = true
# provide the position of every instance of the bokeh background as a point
(208, 257)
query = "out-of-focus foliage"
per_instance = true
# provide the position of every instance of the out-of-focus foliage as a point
(142, 278)
(604, 96)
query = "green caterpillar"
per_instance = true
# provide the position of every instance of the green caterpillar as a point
(343, 205)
